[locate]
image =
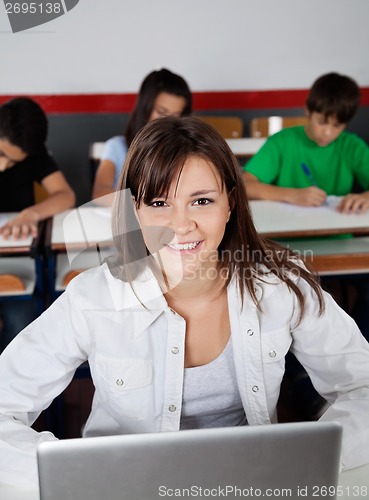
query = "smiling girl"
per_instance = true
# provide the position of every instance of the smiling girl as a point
(188, 326)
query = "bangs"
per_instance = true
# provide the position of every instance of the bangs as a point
(159, 178)
(158, 153)
(157, 181)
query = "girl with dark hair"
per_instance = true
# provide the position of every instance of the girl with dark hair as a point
(189, 325)
(162, 93)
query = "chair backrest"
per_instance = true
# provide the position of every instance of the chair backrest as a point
(268, 125)
(229, 127)
(11, 282)
(17, 274)
(95, 151)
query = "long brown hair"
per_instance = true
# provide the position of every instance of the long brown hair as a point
(155, 83)
(154, 160)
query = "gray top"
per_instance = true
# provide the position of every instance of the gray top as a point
(210, 394)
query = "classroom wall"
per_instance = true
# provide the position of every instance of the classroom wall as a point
(107, 46)
(243, 57)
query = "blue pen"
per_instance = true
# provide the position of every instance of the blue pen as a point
(309, 174)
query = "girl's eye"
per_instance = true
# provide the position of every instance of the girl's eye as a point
(202, 201)
(158, 203)
(161, 112)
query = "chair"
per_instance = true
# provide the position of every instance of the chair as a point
(229, 127)
(17, 276)
(265, 126)
(21, 274)
(21, 271)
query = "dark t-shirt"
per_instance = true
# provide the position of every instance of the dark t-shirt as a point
(16, 183)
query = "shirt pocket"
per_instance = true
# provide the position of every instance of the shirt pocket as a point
(124, 385)
(275, 345)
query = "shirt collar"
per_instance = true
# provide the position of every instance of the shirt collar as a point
(142, 302)
(143, 293)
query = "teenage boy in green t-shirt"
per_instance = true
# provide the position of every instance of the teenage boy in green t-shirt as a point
(302, 166)
(333, 157)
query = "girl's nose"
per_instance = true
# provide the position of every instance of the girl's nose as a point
(182, 222)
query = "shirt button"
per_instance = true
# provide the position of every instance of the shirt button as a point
(172, 408)
(272, 354)
(175, 350)
(172, 311)
(119, 381)
(250, 332)
(255, 388)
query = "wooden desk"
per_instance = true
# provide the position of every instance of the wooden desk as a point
(243, 146)
(333, 256)
(282, 220)
(88, 225)
(80, 228)
(327, 256)
(76, 240)
(87, 232)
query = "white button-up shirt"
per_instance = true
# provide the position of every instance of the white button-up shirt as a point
(135, 345)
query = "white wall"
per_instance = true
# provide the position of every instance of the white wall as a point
(108, 46)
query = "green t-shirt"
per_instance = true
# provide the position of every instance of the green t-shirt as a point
(333, 167)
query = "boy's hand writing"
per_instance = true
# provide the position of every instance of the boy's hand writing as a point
(310, 196)
(354, 203)
(22, 226)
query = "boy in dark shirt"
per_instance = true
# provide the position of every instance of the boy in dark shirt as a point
(24, 160)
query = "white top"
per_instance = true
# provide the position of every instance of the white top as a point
(210, 394)
(115, 150)
(136, 355)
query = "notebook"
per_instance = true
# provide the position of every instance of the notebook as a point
(285, 460)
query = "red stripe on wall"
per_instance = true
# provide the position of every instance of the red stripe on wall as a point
(202, 101)
(249, 99)
(83, 103)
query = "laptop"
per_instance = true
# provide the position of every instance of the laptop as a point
(285, 460)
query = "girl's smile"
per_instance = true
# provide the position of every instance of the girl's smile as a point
(196, 211)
